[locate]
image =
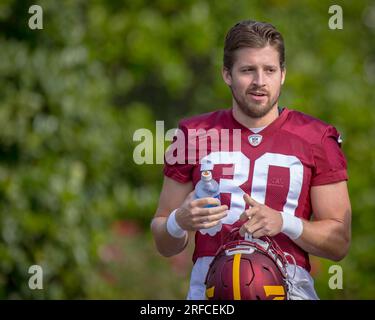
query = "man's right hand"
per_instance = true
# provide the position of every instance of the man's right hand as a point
(192, 215)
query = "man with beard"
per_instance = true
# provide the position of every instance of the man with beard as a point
(286, 178)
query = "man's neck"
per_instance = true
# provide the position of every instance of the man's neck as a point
(250, 122)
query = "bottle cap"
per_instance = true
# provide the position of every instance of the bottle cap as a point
(206, 175)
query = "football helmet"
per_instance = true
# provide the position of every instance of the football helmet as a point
(250, 269)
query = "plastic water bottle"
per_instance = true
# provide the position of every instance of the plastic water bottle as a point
(207, 187)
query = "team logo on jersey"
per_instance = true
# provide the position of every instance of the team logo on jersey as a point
(255, 139)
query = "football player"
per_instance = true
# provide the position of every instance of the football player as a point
(284, 177)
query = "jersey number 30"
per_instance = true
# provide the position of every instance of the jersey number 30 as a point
(241, 164)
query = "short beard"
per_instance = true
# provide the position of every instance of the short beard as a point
(255, 110)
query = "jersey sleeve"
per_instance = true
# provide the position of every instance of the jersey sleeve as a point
(330, 163)
(176, 159)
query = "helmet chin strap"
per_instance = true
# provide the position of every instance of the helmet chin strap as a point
(249, 237)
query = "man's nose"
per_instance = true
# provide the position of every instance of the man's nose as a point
(259, 79)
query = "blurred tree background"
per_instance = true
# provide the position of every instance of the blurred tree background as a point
(73, 201)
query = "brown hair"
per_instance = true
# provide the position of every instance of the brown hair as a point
(252, 34)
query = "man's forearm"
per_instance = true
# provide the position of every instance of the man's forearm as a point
(166, 244)
(325, 238)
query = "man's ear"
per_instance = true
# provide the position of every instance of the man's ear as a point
(226, 76)
(283, 74)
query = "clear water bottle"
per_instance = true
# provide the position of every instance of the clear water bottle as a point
(207, 187)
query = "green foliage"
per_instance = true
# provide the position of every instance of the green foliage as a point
(73, 94)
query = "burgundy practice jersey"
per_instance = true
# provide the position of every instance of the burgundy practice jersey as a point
(277, 167)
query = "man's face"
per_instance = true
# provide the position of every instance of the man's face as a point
(255, 80)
